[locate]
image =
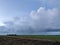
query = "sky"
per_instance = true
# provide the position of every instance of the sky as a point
(30, 17)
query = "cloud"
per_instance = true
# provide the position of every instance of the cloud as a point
(53, 33)
(45, 18)
(37, 22)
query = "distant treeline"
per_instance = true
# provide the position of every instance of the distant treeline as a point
(11, 35)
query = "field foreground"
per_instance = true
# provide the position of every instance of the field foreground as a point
(29, 40)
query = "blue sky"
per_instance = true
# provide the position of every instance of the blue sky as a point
(29, 16)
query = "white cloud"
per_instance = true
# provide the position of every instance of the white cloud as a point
(37, 21)
(45, 18)
(2, 24)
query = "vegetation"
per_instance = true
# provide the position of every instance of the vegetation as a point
(26, 40)
(54, 37)
(11, 34)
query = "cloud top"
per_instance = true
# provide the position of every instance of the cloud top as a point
(37, 21)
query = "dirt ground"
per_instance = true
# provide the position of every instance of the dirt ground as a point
(26, 41)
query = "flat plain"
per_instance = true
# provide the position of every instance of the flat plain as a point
(29, 39)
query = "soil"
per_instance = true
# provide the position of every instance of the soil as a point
(26, 41)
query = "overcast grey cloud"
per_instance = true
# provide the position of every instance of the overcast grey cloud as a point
(37, 21)
(30, 17)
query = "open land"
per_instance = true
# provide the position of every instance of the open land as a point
(30, 40)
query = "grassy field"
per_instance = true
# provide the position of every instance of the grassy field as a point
(25, 40)
(51, 37)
